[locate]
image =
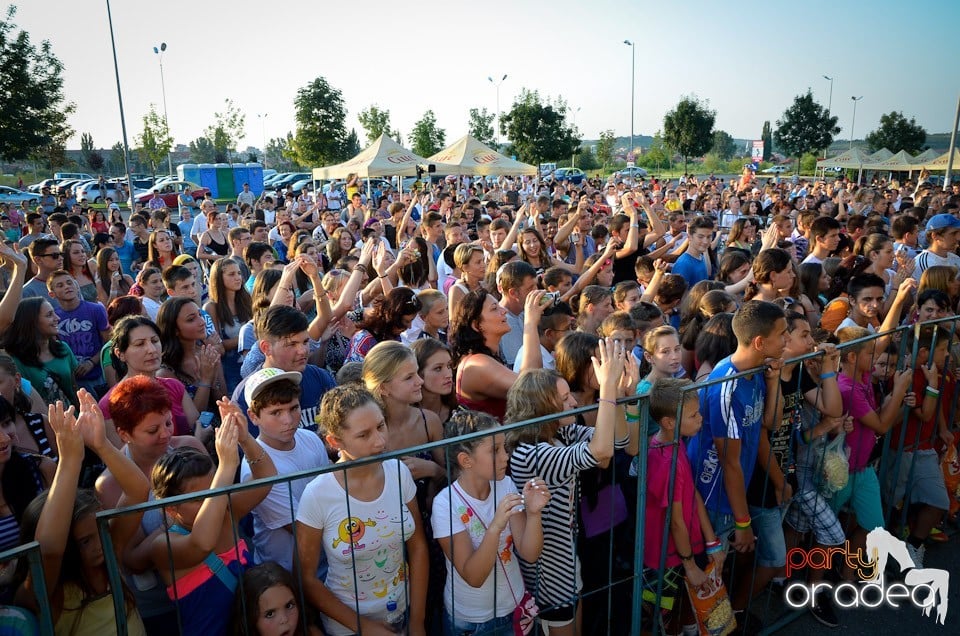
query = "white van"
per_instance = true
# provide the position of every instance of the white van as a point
(63, 176)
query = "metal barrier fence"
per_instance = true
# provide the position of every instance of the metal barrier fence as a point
(640, 619)
(31, 552)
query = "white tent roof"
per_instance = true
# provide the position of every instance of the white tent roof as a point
(881, 155)
(927, 155)
(853, 159)
(474, 158)
(900, 161)
(383, 158)
(940, 163)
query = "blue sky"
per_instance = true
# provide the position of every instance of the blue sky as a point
(749, 59)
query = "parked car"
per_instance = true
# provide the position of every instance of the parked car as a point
(289, 178)
(632, 172)
(297, 186)
(16, 197)
(776, 169)
(72, 175)
(37, 187)
(269, 181)
(573, 175)
(170, 190)
(92, 193)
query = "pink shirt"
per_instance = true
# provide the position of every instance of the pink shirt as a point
(659, 462)
(858, 401)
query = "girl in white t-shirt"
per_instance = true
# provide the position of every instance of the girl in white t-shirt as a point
(362, 518)
(479, 521)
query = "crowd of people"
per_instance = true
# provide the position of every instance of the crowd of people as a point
(177, 351)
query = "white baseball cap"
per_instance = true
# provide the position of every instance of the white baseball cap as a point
(263, 378)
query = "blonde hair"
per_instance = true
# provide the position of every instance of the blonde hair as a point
(428, 298)
(852, 333)
(533, 394)
(651, 337)
(464, 252)
(937, 277)
(382, 364)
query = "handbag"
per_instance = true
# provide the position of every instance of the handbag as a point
(609, 512)
(526, 610)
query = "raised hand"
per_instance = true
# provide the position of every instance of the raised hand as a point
(366, 252)
(64, 425)
(508, 506)
(208, 359)
(227, 441)
(93, 429)
(631, 375)
(308, 265)
(609, 368)
(533, 306)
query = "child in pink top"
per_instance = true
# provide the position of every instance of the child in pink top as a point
(691, 542)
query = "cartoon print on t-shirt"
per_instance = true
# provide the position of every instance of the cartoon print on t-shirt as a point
(351, 531)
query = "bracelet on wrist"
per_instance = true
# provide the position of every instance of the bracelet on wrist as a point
(739, 525)
(827, 376)
(685, 557)
(932, 392)
(613, 402)
(201, 385)
(260, 457)
(714, 550)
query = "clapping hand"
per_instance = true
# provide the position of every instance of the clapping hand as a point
(91, 422)
(609, 368)
(64, 425)
(227, 437)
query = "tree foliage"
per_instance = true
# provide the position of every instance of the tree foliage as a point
(33, 110)
(480, 126)
(155, 141)
(95, 161)
(766, 135)
(375, 122)
(805, 126)
(427, 138)
(658, 156)
(321, 130)
(115, 158)
(227, 130)
(723, 145)
(538, 129)
(202, 151)
(688, 128)
(896, 133)
(352, 144)
(86, 146)
(605, 148)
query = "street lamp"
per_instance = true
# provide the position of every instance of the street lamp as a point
(263, 132)
(830, 101)
(633, 77)
(573, 157)
(854, 120)
(123, 122)
(163, 89)
(497, 84)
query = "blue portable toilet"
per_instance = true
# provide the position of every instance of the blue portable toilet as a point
(188, 172)
(255, 177)
(241, 175)
(208, 178)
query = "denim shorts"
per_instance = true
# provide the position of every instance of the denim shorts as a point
(501, 626)
(768, 528)
(922, 469)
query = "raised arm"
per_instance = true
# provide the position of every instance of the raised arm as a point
(15, 262)
(511, 237)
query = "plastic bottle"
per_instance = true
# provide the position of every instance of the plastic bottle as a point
(395, 618)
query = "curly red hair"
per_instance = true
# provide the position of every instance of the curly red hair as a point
(135, 398)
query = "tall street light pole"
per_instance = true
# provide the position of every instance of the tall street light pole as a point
(123, 123)
(829, 101)
(853, 121)
(497, 85)
(633, 79)
(163, 89)
(573, 157)
(263, 132)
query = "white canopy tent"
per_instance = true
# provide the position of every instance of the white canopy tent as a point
(383, 158)
(852, 159)
(881, 155)
(940, 163)
(902, 161)
(926, 156)
(471, 157)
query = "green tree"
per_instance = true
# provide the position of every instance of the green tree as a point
(808, 163)
(86, 147)
(538, 130)
(605, 148)
(321, 129)
(480, 126)
(33, 110)
(658, 156)
(375, 122)
(202, 150)
(95, 161)
(115, 158)
(587, 159)
(155, 141)
(227, 130)
(767, 137)
(896, 132)
(805, 126)
(352, 143)
(688, 128)
(426, 138)
(723, 145)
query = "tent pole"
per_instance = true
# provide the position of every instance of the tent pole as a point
(953, 146)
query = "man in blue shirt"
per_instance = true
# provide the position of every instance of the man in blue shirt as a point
(694, 264)
(285, 343)
(125, 249)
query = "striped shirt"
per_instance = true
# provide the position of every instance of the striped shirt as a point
(927, 259)
(555, 578)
